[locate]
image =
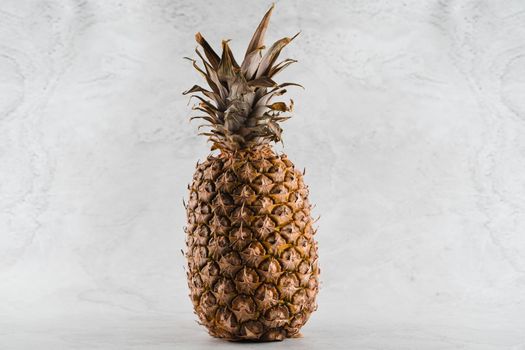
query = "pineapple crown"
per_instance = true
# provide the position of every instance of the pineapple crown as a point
(238, 105)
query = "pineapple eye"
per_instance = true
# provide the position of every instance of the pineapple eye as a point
(279, 189)
(209, 187)
(208, 299)
(222, 241)
(197, 281)
(212, 269)
(216, 166)
(304, 267)
(289, 255)
(282, 210)
(203, 231)
(293, 197)
(204, 209)
(299, 297)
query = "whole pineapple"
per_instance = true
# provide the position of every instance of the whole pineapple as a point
(252, 257)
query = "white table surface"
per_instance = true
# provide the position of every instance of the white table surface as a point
(134, 331)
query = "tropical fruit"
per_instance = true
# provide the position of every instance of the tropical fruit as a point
(252, 258)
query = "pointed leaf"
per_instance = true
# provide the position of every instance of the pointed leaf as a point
(281, 119)
(288, 84)
(232, 59)
(212, 96)
(209, 75)
(212, 78)
(203, 109)
(205, 102)
(208, 108)
(225, 70)
(208, 51)
(271, 55)
(205, 117)
(267, 97)
(204, 61)
(275, 128)
(222, 92)
(204, 126)
(251, 63)
(258, 37)
(280, 66)
(196, 67)
(195, 88)
(262, 82)
(210, 134)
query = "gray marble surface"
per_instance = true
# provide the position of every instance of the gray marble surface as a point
(410, 128)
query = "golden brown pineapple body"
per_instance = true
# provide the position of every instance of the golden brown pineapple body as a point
(252, 257)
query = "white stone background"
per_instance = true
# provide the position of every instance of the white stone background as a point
(411, 129)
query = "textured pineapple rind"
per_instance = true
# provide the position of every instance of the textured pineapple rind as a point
(251, 253)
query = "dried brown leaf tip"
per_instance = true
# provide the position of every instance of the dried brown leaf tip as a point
(240, 102)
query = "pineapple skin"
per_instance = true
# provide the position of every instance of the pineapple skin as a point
(251, 254)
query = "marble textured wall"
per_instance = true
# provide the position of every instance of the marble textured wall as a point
(411, 129)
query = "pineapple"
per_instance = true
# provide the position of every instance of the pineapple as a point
(252, 258)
